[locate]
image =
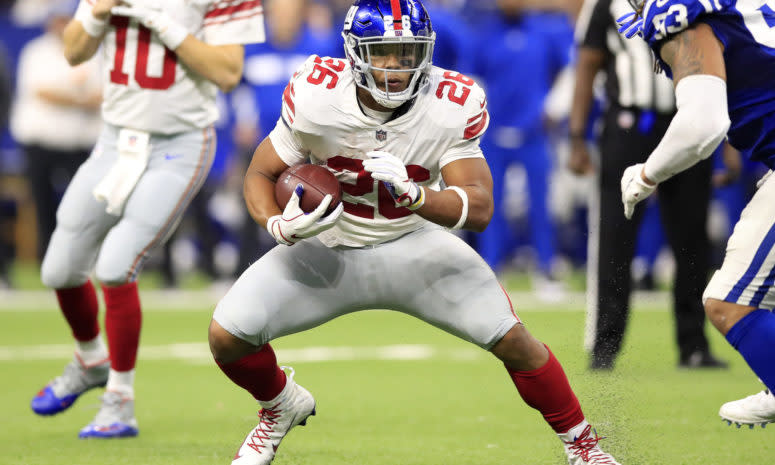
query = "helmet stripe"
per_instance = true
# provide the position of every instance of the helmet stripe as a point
(395, 5)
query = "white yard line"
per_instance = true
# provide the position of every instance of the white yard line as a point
(198, 353)
(197, 300)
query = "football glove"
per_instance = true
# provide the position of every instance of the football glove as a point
(294, 225)
(630, 25)
(634, 188)
(389, 169)
(153, 16)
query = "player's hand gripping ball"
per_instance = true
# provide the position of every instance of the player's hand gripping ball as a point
(306, 209)
(316, 181)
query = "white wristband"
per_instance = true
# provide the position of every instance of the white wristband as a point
(93, 26)
(464, 212)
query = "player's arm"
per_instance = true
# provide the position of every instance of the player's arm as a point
(83, 34)
(258, 188)
(292, 224)
(701, 121)
(590, 62)
(221, 64)
(447, 207)
(696, 59)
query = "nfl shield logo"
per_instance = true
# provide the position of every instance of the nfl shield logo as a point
(381, 135)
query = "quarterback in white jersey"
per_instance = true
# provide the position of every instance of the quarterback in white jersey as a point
(163, 63)
(392, 128)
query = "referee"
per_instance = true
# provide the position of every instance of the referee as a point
(639, 106)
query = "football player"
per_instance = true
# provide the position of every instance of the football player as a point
(721, 57)
(391, 127)
(162, 67)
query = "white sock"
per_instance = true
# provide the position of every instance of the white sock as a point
(573, 433)
(122, 381)
(92, 352)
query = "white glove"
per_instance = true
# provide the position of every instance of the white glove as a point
(634, 189)
(294, 225)
(387, 168)
(153, 16)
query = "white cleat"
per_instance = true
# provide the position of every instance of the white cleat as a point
(290, 408)
(584, 450)
(116, 418)
(758, 409)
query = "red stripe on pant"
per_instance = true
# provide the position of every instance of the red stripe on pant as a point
(547, 390)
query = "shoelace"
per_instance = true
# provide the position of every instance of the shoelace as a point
(267, 419)
(585, 446)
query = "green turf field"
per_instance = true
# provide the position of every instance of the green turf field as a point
(389, 389)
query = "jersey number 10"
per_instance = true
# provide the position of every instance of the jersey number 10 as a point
(117, 74)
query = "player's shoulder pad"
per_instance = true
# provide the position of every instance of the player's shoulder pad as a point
(459, 103)
(316, 87)
(665, 18)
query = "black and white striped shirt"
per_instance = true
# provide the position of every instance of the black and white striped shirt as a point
(630, 77)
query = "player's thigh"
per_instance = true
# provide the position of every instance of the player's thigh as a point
(435, 276)
(291, 289)
(746, 277)
(82, 221)
(177, 168)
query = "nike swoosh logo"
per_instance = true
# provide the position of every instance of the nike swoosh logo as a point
(170, 156)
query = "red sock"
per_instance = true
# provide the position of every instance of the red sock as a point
(80, 307)
(122, 324)
(546, 389)
(257, 373)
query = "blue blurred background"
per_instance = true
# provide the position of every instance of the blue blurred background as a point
(520, 51)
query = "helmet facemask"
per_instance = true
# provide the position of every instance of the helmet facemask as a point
(390, 58)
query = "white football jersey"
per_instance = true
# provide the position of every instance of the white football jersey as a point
(147, 87)
(322, 122)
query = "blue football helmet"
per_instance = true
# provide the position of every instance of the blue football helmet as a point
(392, 36)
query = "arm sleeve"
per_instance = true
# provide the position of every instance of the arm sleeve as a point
(698, 127)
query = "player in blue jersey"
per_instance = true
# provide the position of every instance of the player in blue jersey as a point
(721, 57)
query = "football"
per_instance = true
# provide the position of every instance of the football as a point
(317, 182)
